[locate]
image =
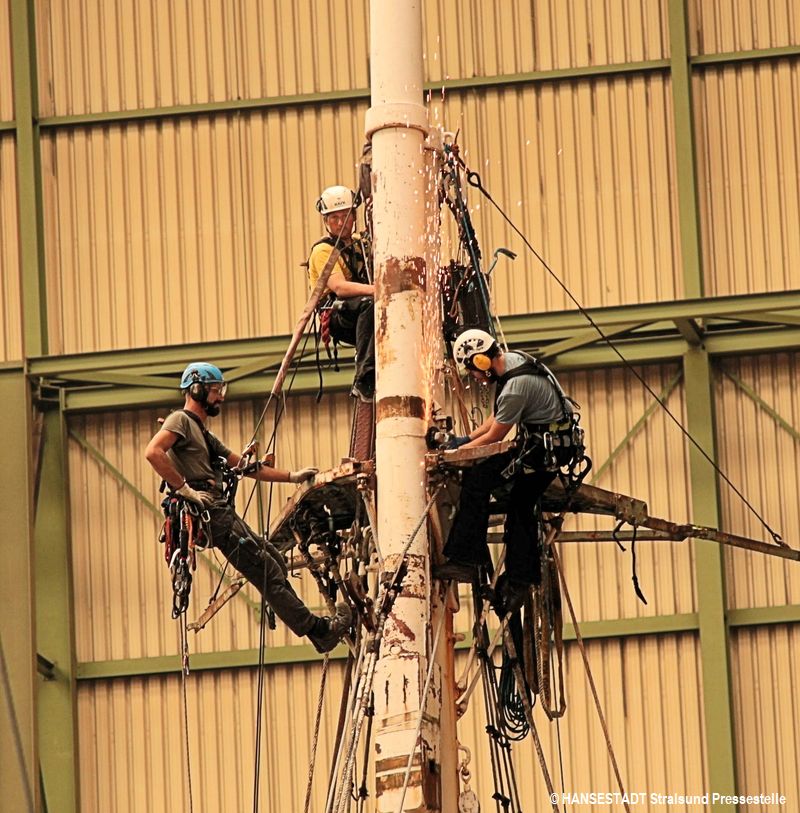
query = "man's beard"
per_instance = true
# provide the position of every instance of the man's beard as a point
(212, 410)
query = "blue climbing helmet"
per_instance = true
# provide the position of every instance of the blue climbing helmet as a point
(201, 372)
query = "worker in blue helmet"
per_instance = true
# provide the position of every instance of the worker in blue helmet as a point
(191, 461)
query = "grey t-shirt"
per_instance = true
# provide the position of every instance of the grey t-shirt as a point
(190, 454)
(527, 398)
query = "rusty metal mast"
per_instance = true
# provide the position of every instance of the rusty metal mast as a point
(397, 125)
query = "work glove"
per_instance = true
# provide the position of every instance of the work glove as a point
(456, 442)
(201, 498)
(301, 475)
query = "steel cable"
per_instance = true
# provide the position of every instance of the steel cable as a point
(474, 180)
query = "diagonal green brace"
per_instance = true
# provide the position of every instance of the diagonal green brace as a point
(710, 581)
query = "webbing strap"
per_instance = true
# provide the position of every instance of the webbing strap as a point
(532, 366)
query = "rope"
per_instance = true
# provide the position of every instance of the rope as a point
(589, 676)
(184, 669)
(391, 585)
(325, 663)
(474, 179)
(558, 736)
(262, 635)
(521, 688)
(346, 711)
(302, 324)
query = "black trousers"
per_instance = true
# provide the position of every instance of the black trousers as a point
(241, 546)
(467, 541)
(353, 322)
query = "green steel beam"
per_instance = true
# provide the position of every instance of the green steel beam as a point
(771, 318)
(643, 350)
(710, 581)
(586, 337)
(289, 655)
(451, 85)
(685, 165)
(558, 324)
(56, 702)
(100, 400)
(29, 179)
(754, 396)
(698, 396)
(732, 57)
(8, 126)
(353, 95)
(634, 430)
(124, 380)
(17, 626)
(764, 616)
(747, 344)
(170, 358)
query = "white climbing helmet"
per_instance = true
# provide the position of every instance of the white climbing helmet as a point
(474, 349)
(336, 199)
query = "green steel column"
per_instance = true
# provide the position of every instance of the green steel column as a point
(709, 563)
(56, 704)
(18, 758)
(29, 179)
(710, 578)
(685, 165)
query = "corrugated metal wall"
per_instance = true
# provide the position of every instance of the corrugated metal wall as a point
(221, 207)
(478, 38)
(125, 55)
(646, 687)
(585, 170)
(742, 25)
(748, 171)
(215, 213)
(761, 457)
(219, 210)
(765, 700)
(652, 466)
(181, 229)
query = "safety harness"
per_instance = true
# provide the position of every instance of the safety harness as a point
(566, 433)
(187, 525)
(355, 256)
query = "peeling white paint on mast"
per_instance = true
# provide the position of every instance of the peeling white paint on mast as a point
(397, 125)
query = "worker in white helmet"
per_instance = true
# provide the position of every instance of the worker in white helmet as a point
(348, 305)
(527, 396)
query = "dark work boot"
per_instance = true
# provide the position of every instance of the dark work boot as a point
(329, 630)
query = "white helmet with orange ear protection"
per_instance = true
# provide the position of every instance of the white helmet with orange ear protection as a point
(475, 349)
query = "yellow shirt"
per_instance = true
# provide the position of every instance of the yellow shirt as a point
(316, 263)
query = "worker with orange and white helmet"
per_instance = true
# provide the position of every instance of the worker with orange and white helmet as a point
(529, 397)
